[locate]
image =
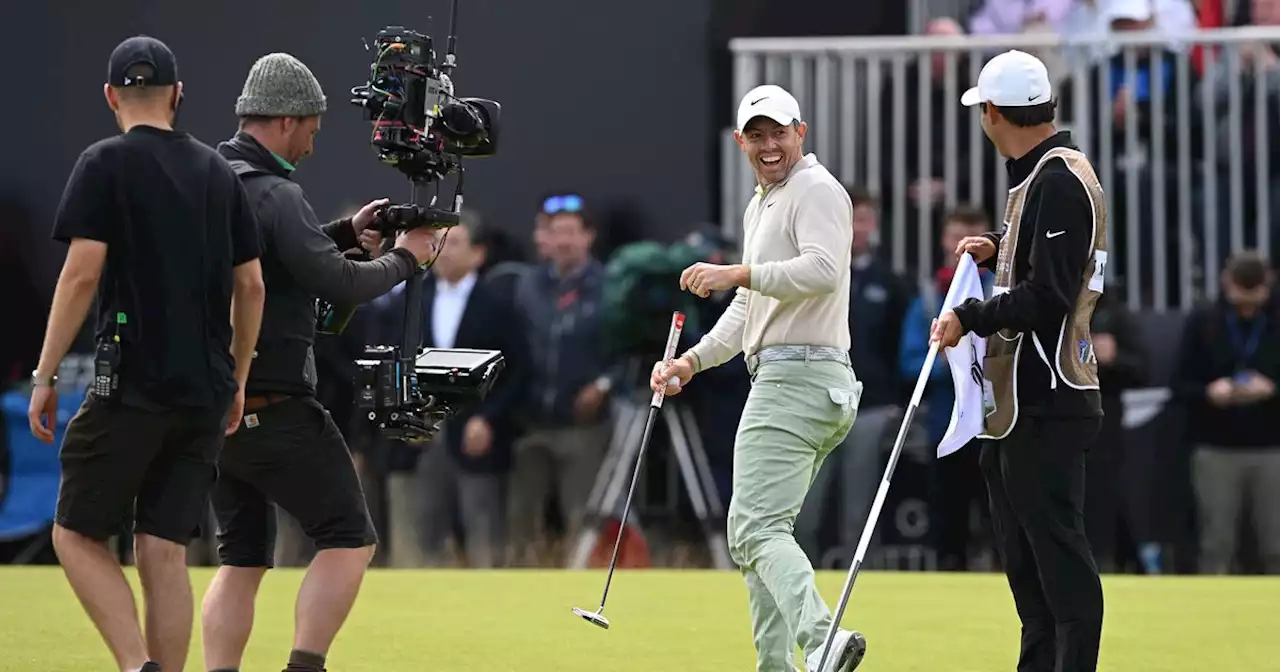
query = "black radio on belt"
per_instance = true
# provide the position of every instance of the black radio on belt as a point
(106, 364)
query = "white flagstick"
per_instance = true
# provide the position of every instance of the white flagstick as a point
(870, 527)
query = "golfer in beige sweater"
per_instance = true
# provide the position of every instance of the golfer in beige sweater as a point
(790, 320)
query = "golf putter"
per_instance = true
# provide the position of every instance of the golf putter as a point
(878, 503)
(673, 337)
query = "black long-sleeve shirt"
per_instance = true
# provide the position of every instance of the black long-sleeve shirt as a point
(1055, 240)
(301, 260)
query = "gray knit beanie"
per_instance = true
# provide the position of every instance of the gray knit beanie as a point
(280, 85)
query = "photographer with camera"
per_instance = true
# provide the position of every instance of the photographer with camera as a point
(289, 452)
(178, 312)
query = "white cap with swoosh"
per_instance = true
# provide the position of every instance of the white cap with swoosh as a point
(771, 101)
(1012, 79)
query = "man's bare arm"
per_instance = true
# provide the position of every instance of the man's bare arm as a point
(72, 299)
(247, 299)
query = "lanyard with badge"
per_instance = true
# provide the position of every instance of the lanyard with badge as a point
(1245, 347)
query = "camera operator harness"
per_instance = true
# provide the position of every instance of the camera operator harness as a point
(423, 130)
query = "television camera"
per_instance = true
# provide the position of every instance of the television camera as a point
(419, 126)
(422, 130)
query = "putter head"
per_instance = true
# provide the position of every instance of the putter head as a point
(593, 617)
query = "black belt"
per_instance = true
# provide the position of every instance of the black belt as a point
(260, 402)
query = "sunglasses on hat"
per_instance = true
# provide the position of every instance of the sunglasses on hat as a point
(555, 205)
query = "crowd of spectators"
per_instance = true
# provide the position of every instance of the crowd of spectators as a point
(1158, 120)
(508, 485)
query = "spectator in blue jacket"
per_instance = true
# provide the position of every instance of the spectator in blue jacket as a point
(565, 410)
(957, 482)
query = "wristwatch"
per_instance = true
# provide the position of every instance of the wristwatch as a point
(38, 380)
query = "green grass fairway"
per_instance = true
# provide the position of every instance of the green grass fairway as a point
(520, 621)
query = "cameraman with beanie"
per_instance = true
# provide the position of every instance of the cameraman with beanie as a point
(288, 452)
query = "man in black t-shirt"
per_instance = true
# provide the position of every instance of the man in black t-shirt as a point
(160, 229)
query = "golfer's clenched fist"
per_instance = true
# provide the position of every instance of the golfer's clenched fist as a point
(679, 368)
(703, 278)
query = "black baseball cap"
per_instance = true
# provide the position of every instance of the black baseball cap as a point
(123, 70)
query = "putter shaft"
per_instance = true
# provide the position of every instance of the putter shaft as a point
(626, 508)
(655, 406)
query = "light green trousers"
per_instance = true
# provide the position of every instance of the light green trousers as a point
(796, 414)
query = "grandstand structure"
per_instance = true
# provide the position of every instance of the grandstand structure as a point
(1185, 157)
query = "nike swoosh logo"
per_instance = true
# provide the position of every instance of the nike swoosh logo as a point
(757, 100)
(1032, 99)
(1054, 234)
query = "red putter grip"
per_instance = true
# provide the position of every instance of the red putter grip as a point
(673, 339)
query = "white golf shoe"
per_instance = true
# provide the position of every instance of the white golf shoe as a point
(847, 649)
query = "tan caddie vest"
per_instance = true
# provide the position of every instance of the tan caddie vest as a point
(1073, 361)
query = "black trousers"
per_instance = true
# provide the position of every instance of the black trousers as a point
(1035, 478)
(956, 488)
(1103, 501)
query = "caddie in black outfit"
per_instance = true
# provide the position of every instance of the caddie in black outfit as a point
(1043, 407)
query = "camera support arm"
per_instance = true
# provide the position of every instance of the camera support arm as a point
(412, 340)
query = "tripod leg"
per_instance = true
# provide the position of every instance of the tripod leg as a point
(715, 521)
(622, 470)
(615, 484)
(617, 448)
(717, 543)
(680, 446)
(690, 426)
(597, 508)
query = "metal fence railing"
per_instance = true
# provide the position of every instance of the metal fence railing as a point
(1178, 127)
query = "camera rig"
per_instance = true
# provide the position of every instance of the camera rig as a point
(422, 130)
(407, 399)
(407, 391)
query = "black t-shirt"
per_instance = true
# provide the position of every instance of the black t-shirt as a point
(176, 221)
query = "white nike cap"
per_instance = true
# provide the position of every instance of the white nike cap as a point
(768, 101)
(1012, 79)
(1133, 10)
